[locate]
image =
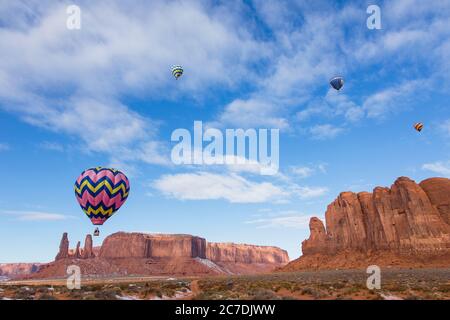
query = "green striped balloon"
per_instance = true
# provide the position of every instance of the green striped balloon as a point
(177, 71)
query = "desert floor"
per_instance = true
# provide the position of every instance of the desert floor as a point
(396, 284)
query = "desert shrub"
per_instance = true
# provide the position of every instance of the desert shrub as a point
(412, 297)
(75, 294)
(263, 294)
(47, 296)
(105, 295)
(308, 291)
(339, 285)
(316, 294)
(444, 288)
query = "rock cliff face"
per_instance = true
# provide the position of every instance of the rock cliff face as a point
(139, 245)
(161, 254)
(407, 219)
(244, 253)
(88, 251)
(12, 270)
(63, 252)
(438, 190)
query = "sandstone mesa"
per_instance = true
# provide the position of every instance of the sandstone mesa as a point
(125, 253)
(405, 225)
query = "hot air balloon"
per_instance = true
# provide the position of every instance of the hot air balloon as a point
(177, 71)
(337, 82)
(418, 126)
(100, 193)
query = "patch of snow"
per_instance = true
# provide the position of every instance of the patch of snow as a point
(212, 265)
(158, 298)
(126, 298)
(181, 294)
(389, 297)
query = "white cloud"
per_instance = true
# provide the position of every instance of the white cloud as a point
(325, 131)
(290, 221)
(73, 82)
(36, 215)
(305, 54)
(307, 171)
(52, 77)
(240, 164)
(441, 168)
(253, 113)
(310, 192)
(233, 188)
(302, 172)
(391, 99)
(209, 186)
(303, 58)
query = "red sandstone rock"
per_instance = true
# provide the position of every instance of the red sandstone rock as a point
(407, 219)
(139, 245)
(12, 270)
(244, 253)
(317, 242)
(159, 254)
(63, 247)
(77, 253)
(438, 190)
(88, 251)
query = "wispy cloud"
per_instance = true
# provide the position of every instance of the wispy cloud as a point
(210, 186)
(307, 171)
(441, 168)
(36, 215)
(305, 192)
(233, 187)
(297, 221)
(303, 172)
(391, 99)
(325, 131)
(95, 70)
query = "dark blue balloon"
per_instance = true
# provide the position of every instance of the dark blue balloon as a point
(337, 82)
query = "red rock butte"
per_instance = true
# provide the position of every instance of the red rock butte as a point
(161, 254)
(405, 225)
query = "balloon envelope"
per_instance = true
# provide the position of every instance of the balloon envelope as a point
(337, 82)
(177, 71)
(418, 126)
(101, 192)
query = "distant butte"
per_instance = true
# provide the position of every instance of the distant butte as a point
(125, 253)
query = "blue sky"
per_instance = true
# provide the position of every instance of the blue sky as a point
(104, 95)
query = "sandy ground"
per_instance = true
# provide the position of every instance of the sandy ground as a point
(396, 284)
